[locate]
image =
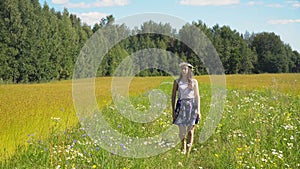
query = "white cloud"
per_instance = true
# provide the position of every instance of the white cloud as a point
(294, 3)
(261, 3)
(275, 5)
(60, 1)
(283, 21)
(209, 2)
(94, 4)
(252, 3)
(91, 17)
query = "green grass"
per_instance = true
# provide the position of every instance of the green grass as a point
(259, 129)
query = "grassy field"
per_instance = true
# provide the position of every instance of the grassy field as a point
(259, 126)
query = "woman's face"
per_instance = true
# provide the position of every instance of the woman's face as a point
(184, 70)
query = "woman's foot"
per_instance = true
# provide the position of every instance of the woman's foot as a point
(183, 146)
(189, 149)
(183, 149)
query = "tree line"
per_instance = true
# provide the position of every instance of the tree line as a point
(39, 44)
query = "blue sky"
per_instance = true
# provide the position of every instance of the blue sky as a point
(279, 16)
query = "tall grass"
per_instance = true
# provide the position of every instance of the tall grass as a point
(259, 126)
(29, 109)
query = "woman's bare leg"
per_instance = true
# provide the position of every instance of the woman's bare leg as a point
(182, 135)
(190, 138)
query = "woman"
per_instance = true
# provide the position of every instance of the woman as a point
(186, 113)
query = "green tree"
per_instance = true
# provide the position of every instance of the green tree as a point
(270, 53)
(10, 33)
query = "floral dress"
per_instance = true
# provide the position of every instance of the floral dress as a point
(186, 106)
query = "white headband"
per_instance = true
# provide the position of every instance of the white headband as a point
(186, 64)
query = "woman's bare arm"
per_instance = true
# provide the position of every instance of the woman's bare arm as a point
(197, 95)
(174, 90)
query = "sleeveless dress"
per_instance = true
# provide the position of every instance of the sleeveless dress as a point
(186, 106)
